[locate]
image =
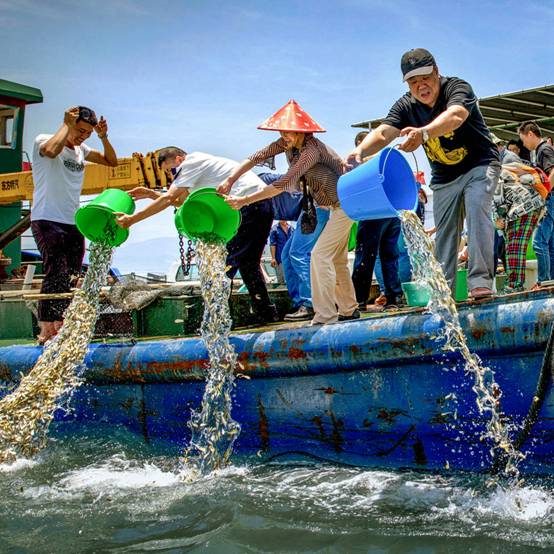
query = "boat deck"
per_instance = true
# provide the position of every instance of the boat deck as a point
(284, 325)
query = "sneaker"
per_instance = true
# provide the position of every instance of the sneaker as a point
(381, 300)
(391, 304)
(354, 315)
(480, 292)
(304, 313)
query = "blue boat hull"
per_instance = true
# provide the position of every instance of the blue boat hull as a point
(376, 392)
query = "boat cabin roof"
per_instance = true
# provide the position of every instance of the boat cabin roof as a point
(29, 95)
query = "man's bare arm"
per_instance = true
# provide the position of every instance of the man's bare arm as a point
(109, 157)
(54, 145)
(448, 121)
(238, 202)
(225, 186)
(372, 143)
(174, 194)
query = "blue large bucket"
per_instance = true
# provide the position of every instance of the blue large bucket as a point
(378, 188)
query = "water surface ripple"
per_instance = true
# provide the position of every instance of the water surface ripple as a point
(100, 495)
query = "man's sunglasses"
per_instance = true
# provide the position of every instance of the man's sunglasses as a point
(87, 115)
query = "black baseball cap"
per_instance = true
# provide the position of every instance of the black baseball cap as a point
(417, 62)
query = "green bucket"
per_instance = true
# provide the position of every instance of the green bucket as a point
(461, 285)
(352, 237)
(416, 294)
(96, 220)
(205, 215)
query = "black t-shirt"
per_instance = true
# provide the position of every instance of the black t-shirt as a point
(458, 152)
(545, 157)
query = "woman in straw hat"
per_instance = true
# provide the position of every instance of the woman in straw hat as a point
(318, 167)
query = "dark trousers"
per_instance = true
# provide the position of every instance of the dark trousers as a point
(62, 248)
(246, 249)
(377, 236)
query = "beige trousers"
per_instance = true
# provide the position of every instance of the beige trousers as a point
(330, 276)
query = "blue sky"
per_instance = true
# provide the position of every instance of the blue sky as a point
(202, 74)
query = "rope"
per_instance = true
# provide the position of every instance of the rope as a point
(546, 377)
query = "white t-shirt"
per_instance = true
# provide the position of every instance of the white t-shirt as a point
(204, 170)
(58, 182)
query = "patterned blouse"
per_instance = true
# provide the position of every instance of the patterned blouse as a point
(316, 162)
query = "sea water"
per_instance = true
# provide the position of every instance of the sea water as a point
(117, 495)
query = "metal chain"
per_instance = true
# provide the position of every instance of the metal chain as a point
(186, 259)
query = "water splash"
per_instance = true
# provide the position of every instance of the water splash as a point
(213, 429)
(26, 413)
(427, 270)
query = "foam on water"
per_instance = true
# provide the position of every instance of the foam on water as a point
(17, 465)
(115, 476)
(118, 473)
(524, 504)
(362, 493)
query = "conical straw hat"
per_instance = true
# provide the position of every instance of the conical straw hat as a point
(291, 117)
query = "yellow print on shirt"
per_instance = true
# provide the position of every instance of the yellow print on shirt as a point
(436, 153)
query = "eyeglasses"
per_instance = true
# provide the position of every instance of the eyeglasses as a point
(87, 115)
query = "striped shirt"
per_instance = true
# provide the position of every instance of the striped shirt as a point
(316, 162)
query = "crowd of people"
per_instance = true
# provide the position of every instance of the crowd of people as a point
(478, 182)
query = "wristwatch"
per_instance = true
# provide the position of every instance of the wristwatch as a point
(425, 135)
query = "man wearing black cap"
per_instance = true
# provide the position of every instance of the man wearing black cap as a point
(442, 115)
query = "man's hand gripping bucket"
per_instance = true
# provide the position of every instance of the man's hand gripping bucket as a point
(206, 216)
(379, 188)
(96, 220)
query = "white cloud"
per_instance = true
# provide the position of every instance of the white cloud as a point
(59, 9)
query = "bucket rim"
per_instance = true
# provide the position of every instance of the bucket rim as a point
(121, 232)
(204, 190)
(96, 207)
